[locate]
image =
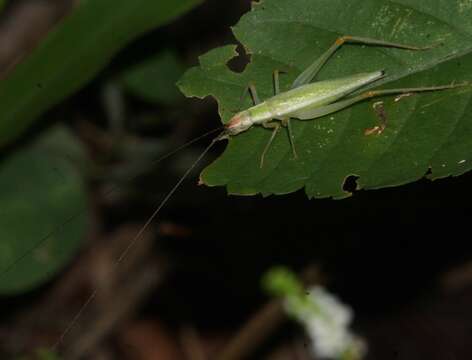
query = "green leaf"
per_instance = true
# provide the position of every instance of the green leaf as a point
(154, 79)
(36, 198)
(73, 53)
(425, 131)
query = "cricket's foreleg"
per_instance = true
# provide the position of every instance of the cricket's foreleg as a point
(309, 73)
(252, 88)
(288, 124)
(284, 121)
(269, 125)
(275, 77)
(253, 92)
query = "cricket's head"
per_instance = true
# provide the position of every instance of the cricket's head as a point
(238, 123)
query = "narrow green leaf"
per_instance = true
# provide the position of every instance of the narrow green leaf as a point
(36, 198)
(74, 52)
(424, 131)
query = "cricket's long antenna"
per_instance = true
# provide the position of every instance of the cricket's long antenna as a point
(181, 147)
(80, 211)
(137, 237)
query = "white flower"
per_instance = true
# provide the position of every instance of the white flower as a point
(327, 322)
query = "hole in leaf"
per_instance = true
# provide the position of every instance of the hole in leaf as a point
(239, 63)
(350, 183)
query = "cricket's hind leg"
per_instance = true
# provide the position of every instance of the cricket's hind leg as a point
(311, 71)
(309, 114)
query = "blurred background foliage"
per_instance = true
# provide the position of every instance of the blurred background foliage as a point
(48, 74)
(88, 103)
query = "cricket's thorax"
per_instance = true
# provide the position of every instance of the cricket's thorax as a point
(316, 94)
(260, 112)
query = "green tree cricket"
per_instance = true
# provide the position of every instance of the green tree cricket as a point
(307, 101)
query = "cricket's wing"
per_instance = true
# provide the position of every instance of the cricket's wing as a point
(318, 94)
(319, 111)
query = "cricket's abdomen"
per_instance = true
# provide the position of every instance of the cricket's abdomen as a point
(316, 94)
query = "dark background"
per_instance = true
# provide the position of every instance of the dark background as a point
(400, 256)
